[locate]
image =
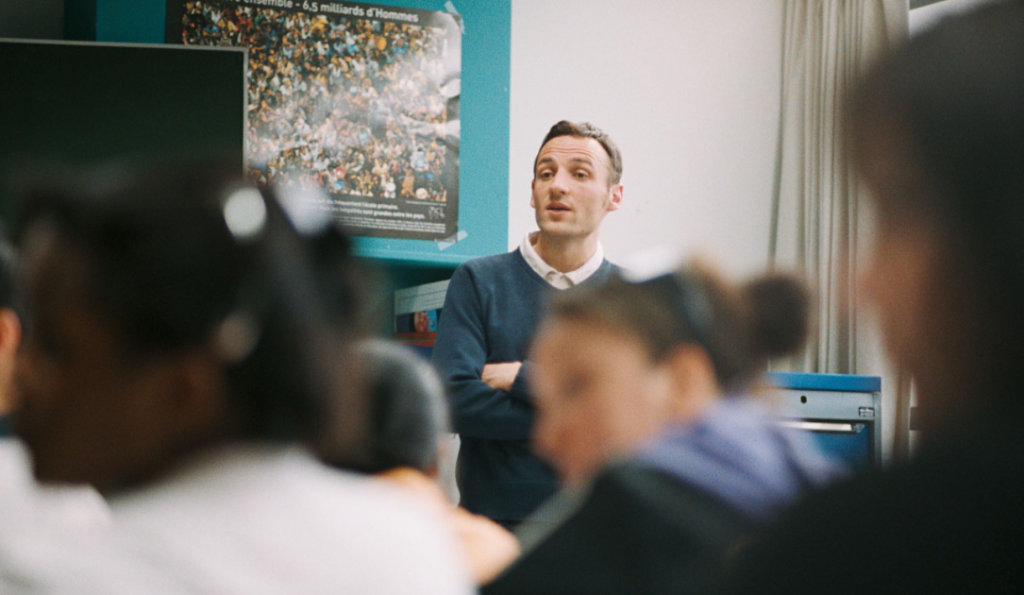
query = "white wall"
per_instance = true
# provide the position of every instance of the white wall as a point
(690, 91)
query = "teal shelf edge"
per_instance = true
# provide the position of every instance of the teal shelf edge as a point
(411, 258)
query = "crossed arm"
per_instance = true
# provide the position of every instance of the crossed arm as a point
(501, 376)
(489, 400)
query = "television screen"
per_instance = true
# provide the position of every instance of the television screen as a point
(83, 103)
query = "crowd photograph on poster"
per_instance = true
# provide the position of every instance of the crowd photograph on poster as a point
(359, 100)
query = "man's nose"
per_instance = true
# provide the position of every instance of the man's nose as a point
(560, 183)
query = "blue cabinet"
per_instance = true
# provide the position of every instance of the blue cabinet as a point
(842, 412)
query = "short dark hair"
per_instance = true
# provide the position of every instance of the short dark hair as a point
(587, 130)
(409, 414)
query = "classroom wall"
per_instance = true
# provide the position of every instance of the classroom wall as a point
(689, 89)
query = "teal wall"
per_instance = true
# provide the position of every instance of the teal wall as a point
(484, 109)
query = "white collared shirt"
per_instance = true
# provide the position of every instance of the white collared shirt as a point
(556, 278)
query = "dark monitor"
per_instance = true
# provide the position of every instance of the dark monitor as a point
(842, 413)
(82, 103)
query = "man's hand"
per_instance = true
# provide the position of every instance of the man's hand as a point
(500, 376)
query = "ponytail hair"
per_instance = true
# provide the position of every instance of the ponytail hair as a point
(739, 326)
(779, 316)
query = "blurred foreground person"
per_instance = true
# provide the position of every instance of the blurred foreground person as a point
(409, 440)
(25, 505)
(937, 132)
(175, 358)
(645, 382)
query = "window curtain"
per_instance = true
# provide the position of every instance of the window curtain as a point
(819, 224)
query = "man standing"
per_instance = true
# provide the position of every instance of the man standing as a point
(492, 308)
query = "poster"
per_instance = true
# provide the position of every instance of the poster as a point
(360, 100)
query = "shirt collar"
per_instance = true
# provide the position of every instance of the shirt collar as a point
(554, 277)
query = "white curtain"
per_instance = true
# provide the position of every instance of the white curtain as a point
(819, 227)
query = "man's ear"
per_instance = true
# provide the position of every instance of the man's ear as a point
(616, 201)
(533, 200)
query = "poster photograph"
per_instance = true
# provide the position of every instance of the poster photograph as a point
(358, 99)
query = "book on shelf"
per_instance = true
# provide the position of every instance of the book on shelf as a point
(417, 312)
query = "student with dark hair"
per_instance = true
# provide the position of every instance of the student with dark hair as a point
(408, 444)
(176, 358)
(937, 131)
(644, 407)
(25, 506)
(409, 415)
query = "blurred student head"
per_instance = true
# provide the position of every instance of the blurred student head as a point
(408, 412)
(166, 311)
(10, 322)
(406, 445)
(937, 131)
(616, 363)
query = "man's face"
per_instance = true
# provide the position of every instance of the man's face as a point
(571, 193)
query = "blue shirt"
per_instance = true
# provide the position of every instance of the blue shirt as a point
(738, 454)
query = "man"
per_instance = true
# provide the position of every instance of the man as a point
(491, 311)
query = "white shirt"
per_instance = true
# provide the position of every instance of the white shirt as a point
(554, 277)
(253, 520)
(28, 506)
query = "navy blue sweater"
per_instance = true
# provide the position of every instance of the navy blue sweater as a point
(490, 313)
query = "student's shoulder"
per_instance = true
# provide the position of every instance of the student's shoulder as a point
(667, 503)
(896, 527)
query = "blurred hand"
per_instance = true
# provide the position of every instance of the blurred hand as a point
(500, 376)
(489, 547)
